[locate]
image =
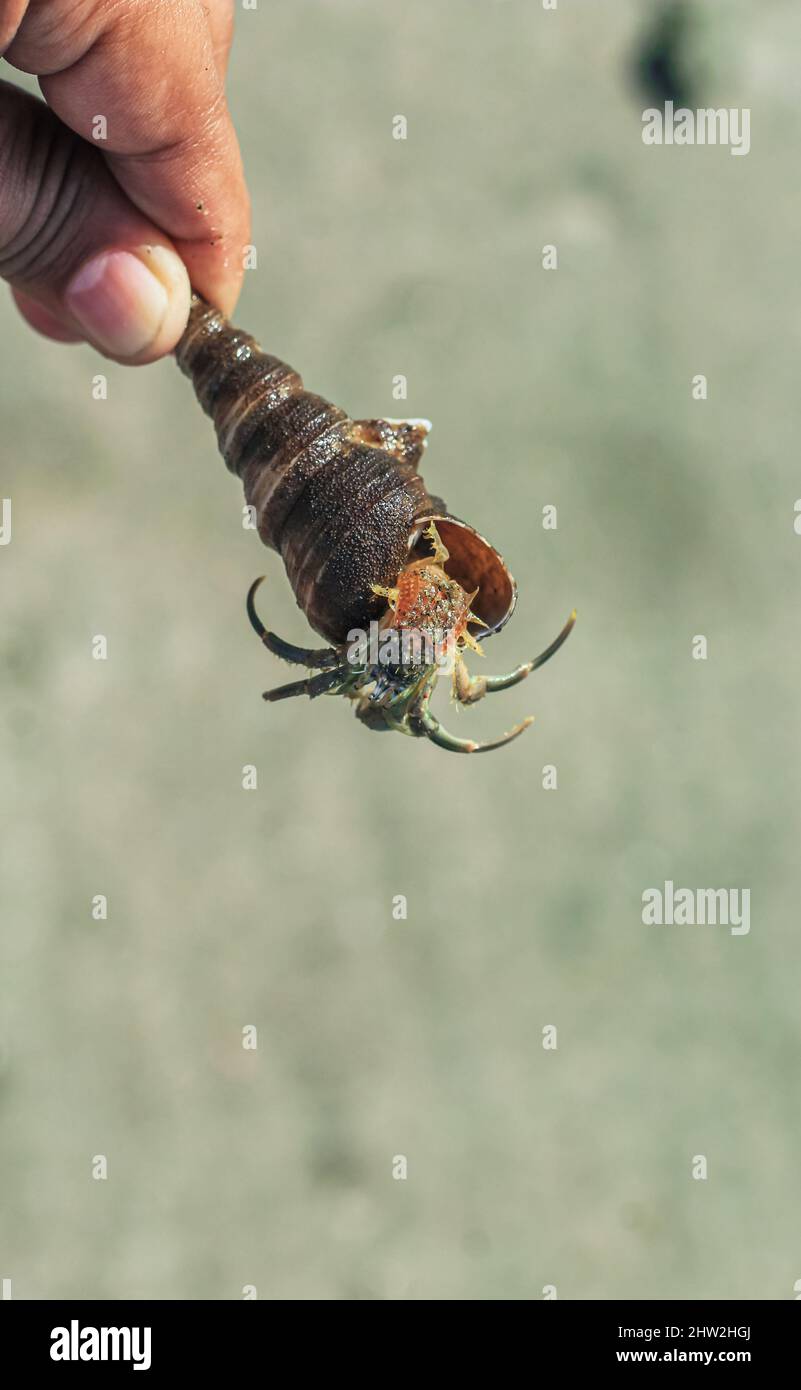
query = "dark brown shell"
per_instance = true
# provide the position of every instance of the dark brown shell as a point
(340, 500)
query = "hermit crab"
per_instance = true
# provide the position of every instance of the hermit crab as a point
(398, 586)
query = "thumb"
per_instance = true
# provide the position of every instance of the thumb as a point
(83, 261)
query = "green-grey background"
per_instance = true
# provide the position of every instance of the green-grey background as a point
(274, 907)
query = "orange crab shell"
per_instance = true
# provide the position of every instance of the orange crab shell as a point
(475, 564)
(429, 601)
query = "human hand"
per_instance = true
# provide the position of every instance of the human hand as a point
(128, 183)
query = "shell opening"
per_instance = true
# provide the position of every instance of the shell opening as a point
(475, 564)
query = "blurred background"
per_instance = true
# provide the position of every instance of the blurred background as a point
(273, 907)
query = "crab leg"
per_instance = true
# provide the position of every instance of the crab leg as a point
(468, 690)
(439, 735)
(312, 686)
(503, 682)
(320, 657)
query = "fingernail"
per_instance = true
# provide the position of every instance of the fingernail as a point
(120, 298)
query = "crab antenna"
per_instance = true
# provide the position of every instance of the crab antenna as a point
(318, 658)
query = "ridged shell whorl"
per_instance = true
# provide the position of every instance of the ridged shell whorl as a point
(337, 505)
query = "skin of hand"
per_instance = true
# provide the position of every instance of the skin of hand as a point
(127, 184)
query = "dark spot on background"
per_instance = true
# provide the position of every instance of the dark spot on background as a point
(663, 61)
